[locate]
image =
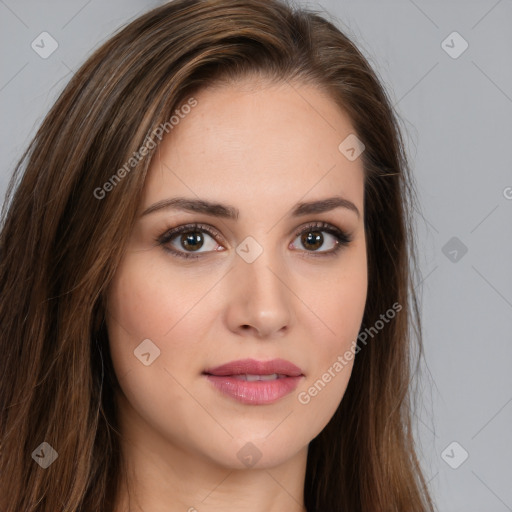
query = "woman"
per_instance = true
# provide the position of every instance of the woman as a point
(207, 291)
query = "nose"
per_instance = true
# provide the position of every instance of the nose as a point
(259, 303)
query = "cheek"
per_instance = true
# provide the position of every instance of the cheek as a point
(340, 307)
(149, 298)
(339, 302)
(148, 302)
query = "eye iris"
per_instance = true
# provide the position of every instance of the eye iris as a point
(313, 238)
(192, 241)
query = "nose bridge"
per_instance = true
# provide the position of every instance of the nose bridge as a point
(263, 275)
(263, 300)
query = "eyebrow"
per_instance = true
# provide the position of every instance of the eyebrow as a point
(232, 213)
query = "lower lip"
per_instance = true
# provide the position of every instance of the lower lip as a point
(258, 392)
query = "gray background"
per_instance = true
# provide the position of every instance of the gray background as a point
(457, 117)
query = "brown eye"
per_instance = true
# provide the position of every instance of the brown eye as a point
(188, 239)
(192, 241)
(312, 240)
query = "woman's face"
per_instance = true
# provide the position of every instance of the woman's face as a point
(271, 282)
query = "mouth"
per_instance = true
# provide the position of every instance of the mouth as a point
(253, 378)
(255, 382)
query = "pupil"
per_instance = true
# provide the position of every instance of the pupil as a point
(313, 238)
(195, 241)
(189, 240)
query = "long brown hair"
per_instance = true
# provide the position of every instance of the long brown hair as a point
(60, 245)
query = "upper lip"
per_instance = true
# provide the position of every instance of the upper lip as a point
(254, 367)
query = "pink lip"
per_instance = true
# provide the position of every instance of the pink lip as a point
(228, 379)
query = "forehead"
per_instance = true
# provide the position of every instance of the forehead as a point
(250, 141)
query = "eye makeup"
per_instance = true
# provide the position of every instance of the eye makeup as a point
(341, 238)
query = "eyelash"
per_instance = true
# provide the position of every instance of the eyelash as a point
(343, 239)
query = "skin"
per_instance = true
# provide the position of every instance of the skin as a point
(261, 148)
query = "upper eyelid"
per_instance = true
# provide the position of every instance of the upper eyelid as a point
(209, 229)
(342, 236)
